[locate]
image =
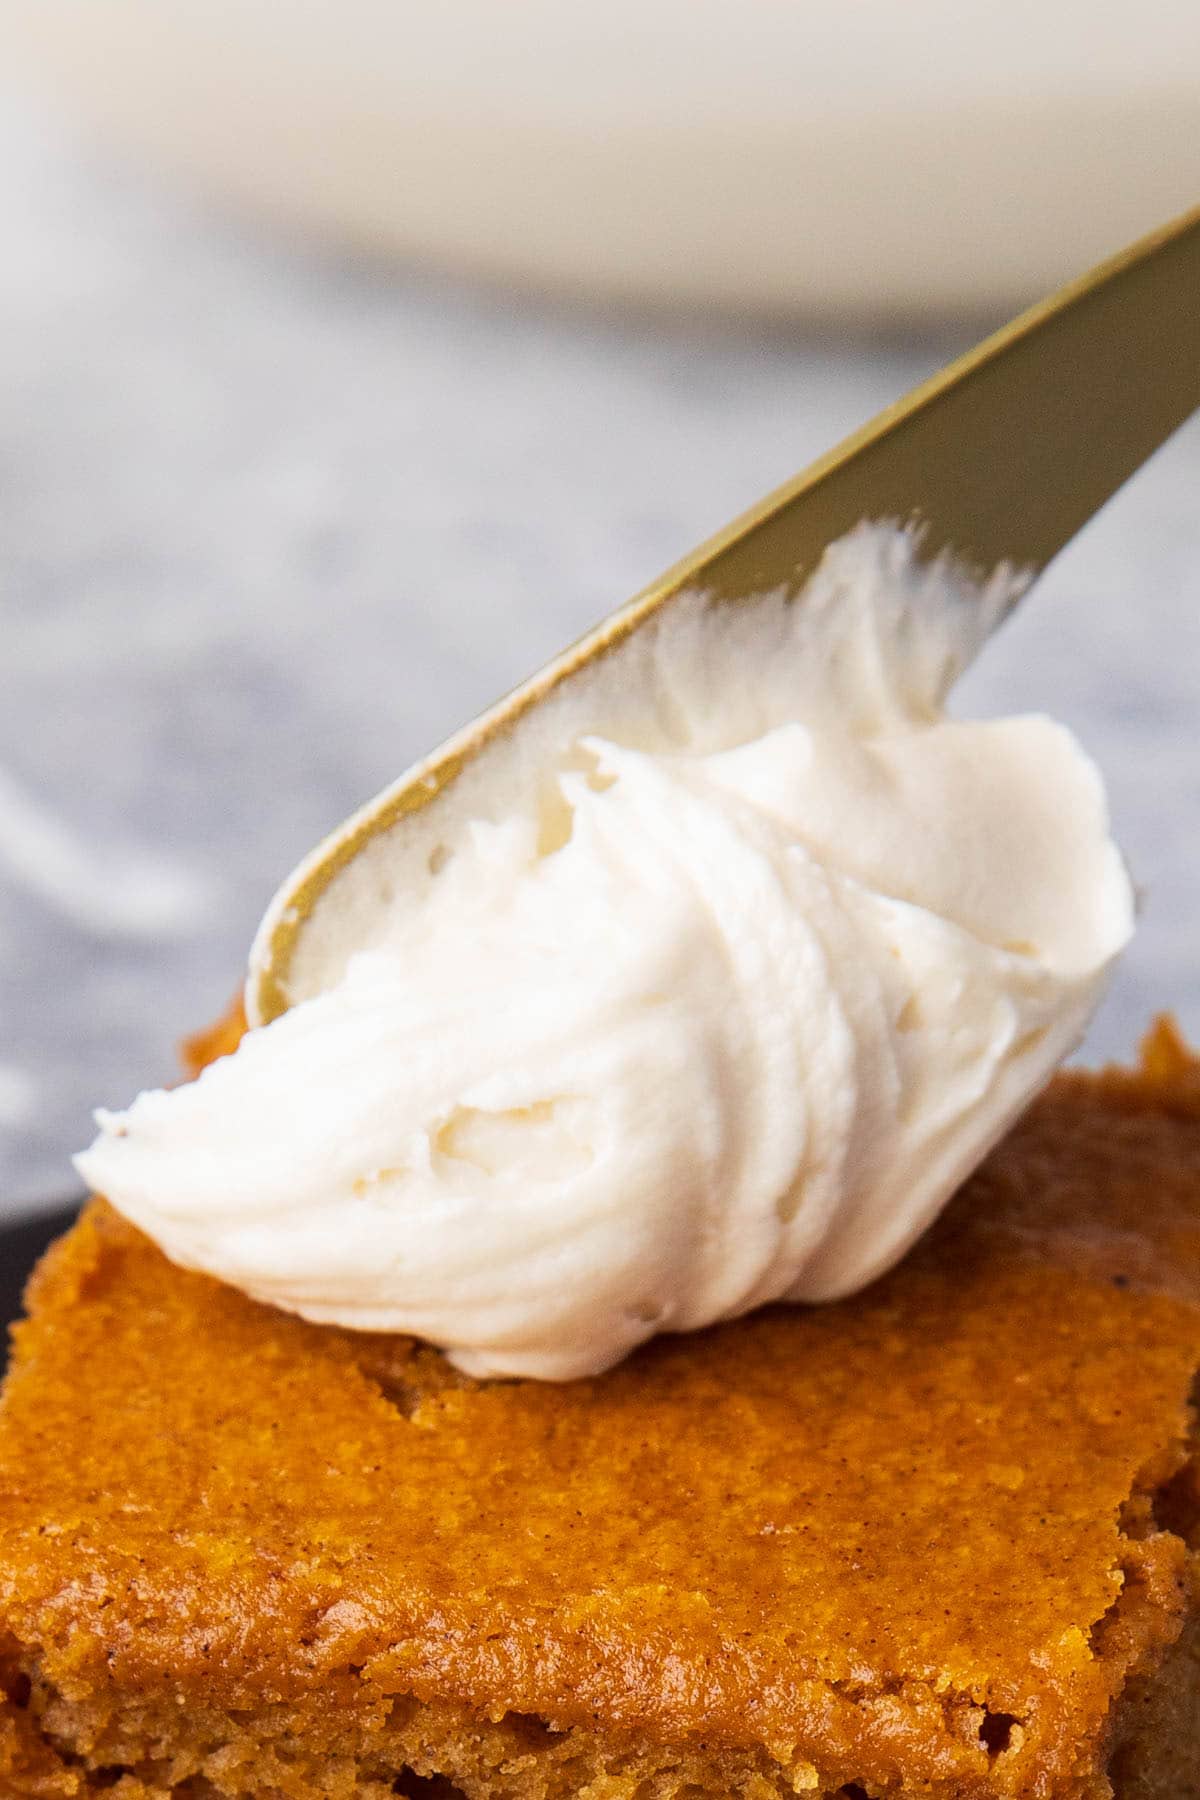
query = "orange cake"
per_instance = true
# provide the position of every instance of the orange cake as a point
(933, 1540)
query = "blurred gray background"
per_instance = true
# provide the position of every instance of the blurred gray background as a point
(272, 522)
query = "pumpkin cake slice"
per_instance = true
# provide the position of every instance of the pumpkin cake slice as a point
(930, 1541)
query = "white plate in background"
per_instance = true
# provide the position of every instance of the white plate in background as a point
(864, 157)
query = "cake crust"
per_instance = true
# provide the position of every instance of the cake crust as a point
(933, 1540)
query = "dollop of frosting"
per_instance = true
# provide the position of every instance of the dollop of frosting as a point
(707, 1026)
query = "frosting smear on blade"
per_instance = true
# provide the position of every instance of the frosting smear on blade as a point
(723, 1017)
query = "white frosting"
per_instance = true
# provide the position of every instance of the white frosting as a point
(703, 1017)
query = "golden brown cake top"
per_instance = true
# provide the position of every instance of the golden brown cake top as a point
(909, 1536)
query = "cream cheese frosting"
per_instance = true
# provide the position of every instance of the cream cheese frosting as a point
(756, 956)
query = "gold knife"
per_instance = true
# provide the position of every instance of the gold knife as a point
(1001, 458)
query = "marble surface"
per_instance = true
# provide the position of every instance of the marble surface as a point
(271, 525)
